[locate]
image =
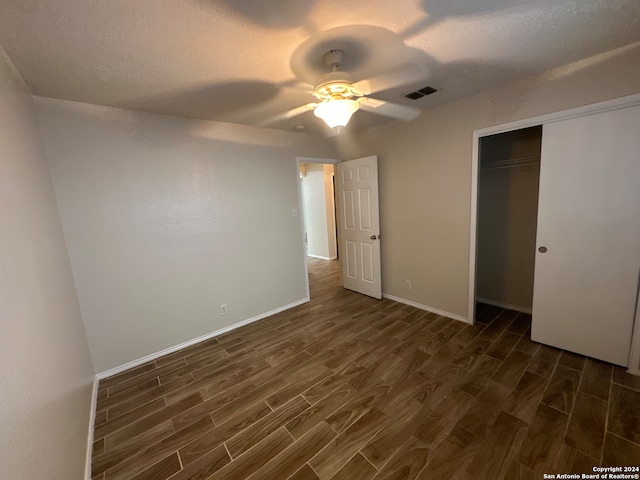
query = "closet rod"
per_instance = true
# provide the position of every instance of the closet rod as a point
(511, 163)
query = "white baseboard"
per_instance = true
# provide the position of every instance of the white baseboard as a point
(321, 257)
(508, 306)
(92, 422)
(426, 307)
(113, 371)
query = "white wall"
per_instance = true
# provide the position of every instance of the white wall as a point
(167, 218)
(507, 219)
(319, 217)
(425, 172)
(46, 374)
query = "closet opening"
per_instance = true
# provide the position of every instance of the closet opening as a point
(508, 182)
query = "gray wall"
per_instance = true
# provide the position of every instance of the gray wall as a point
(46, 374)
(167, 218)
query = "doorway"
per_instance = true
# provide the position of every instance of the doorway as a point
(508, 183)
(319, 214)
(319, 227)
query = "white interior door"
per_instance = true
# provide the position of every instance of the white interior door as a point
(359, 225)
(586, 282)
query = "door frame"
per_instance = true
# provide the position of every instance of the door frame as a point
(613, 104)
(299, 160)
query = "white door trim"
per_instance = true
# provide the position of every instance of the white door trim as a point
(604, 106)
(300, 160)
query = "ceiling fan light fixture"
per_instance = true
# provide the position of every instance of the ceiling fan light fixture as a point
(336, 113)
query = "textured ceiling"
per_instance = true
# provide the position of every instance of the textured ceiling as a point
(244, 61)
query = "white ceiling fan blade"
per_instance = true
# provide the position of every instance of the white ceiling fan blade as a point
(394, 110)
(286, 115)
(407, 74)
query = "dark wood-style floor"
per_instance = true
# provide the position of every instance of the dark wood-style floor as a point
(347, 387)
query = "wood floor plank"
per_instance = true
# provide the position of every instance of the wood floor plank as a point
(439, 379)
(452, 457)
(211, 384)
(480, 374)
(196, 448)
(145, 377)
(385, 443)
(229, 410)
(618, 451)
(340, 450)
(406, 463)
(562, 388)
(206, 359)
(356, 469)
(587, 424)
(486, 407)
(520, 324)
(544, 439)
(300, 382)
(293, 458)
(525, 397)
(153, 450)
(225, 401)
(140, 426)
(161, 470)
(624, 413)
(572, 360)
(98, 447)
(526, 345)
(206, 466)
(105, 383)
(320, 411)
(131, 416)
(596, 379)
(256, 457)
(101, 418)
(305, 473)
(503, 346)
(517, 471)
(126, 449)
(126, 404)
(243, 441)
(436, 426)
(499, 449)
(512, 369)
(572, 461)
(358, 404)
(621, 377)
(544, 361)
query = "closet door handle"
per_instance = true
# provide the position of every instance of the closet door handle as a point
(542, 249)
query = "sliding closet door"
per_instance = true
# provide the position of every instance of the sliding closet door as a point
(588, 237)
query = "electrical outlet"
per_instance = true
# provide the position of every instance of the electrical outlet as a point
(223, 309)
(407, 284)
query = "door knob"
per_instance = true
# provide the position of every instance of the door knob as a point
(373, 237)
(542, 249)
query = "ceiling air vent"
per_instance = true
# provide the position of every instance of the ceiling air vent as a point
(423, 92)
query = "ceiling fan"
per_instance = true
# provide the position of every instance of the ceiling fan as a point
(339, 97)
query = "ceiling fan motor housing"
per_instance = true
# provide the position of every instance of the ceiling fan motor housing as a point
(333, 58)
(335, 84)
